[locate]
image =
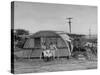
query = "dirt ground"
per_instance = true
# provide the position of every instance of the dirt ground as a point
(37, 65)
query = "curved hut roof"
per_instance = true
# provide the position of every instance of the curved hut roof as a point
(60, 34)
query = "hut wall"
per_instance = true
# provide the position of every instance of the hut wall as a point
(60, 43)
(58, 53)
(37, 52)
(29, 43)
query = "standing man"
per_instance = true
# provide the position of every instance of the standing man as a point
(53, 48)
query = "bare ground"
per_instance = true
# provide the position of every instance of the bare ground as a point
(37, 65)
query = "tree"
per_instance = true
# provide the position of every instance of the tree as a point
(22, 32)
(18, 37)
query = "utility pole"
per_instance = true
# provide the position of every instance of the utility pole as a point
(69, 22)
(89, 33)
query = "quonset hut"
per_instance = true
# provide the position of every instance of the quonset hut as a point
(60, 38)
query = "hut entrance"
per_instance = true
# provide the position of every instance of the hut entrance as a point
(37, 42)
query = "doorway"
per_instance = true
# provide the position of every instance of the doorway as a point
(37, 42)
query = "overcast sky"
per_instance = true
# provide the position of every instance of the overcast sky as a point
(42, 16)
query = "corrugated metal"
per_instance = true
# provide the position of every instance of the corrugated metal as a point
(29, 43)
(37, 53)
(60, 38)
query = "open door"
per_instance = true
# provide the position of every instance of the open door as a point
(37, 42)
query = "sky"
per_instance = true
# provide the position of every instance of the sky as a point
(34, 17)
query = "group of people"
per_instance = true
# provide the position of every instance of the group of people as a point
(48, 51)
